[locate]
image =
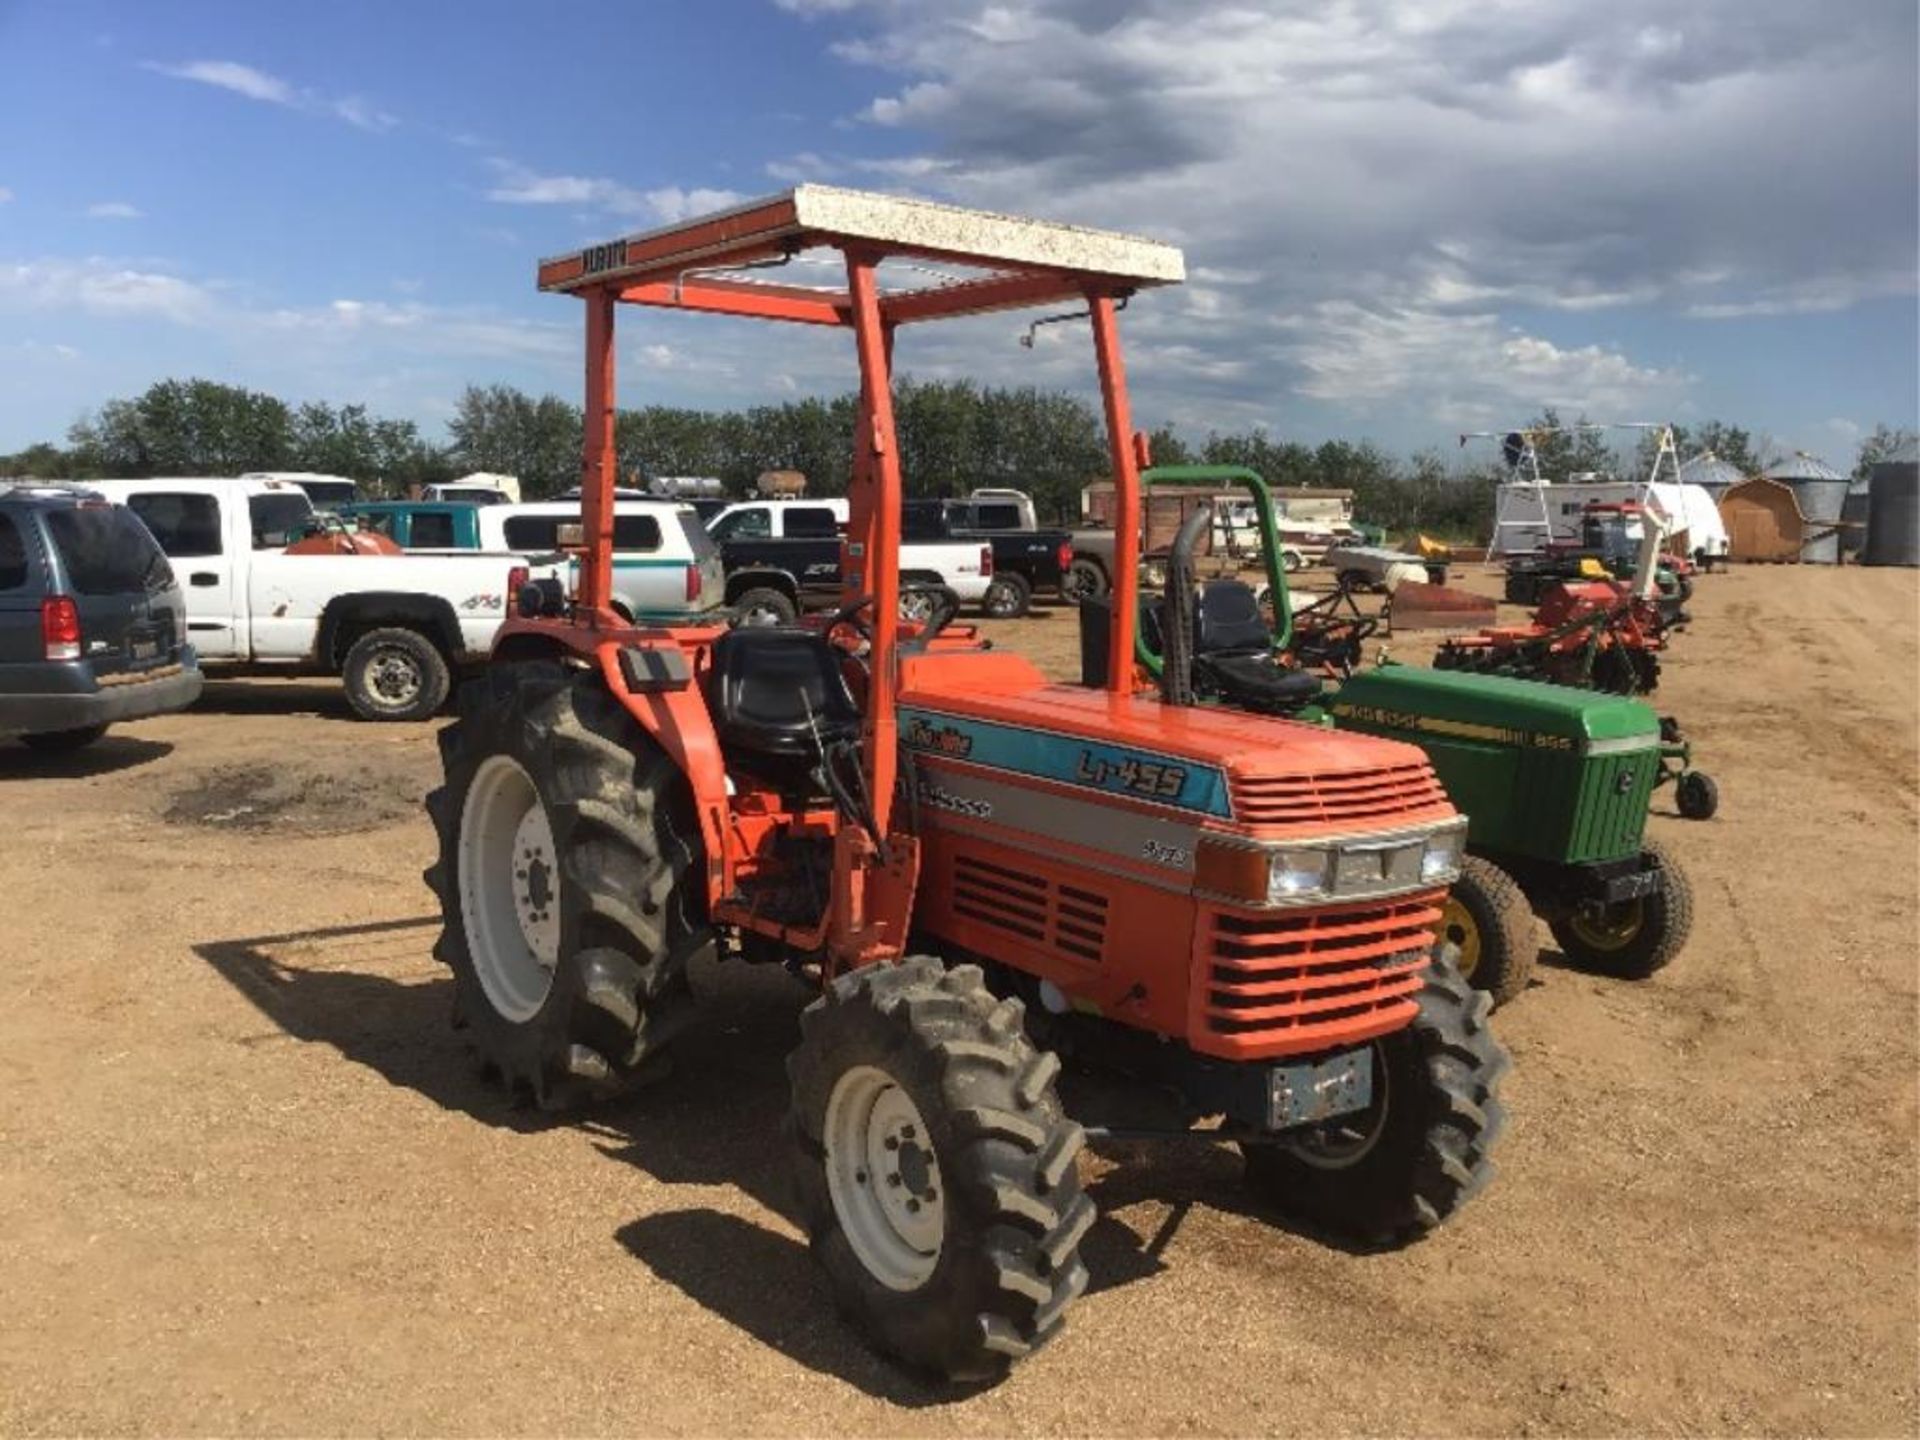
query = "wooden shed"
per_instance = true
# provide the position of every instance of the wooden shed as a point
(1763, 521)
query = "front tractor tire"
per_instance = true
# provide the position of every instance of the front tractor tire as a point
(565, 836)
(1633, 939)
(934, 1168)
(1488, 920)
(1393, 1172)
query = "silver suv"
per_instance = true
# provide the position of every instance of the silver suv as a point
(92, 625)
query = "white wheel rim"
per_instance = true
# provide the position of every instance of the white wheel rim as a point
(509, 888)
(884, 1178)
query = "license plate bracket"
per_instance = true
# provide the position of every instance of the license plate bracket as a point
(1307, 1093)
(143, 649)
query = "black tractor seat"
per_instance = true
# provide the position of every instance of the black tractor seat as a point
(1233, 653)
(778, 697)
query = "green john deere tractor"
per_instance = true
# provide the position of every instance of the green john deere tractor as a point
(1555, 782)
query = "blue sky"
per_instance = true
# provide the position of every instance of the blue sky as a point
(1401, 219)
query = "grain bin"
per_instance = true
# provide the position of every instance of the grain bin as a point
(1893, 509)
(1821, 492)
(1711, 473)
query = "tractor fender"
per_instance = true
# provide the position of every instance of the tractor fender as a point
(673, 714)
(678, 721)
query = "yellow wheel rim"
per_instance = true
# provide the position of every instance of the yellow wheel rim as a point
(1615, 930)
(1457, 928)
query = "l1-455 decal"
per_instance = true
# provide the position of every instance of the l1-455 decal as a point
(1067, 760)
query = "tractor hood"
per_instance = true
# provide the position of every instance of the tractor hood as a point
(1493, 708)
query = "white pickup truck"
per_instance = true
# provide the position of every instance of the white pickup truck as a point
(394, 627)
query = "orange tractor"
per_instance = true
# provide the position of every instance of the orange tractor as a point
(978, 868)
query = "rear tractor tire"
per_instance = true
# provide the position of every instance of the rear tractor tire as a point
(1400, 1168)
(934, 1168)
(1633, 939)
(1488, 919)
(565, 838)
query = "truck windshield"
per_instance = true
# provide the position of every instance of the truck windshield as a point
(107, 551)
(278, 519)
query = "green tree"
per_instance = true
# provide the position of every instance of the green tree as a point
(505, 430)
(1884, 440)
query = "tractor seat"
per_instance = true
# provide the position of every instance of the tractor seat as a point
(1229, 621)
(1256, 682)
(777, 694)
(1233, 653)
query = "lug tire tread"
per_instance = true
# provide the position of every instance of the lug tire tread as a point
(1008, 1267)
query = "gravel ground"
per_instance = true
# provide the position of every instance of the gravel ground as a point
(251, 1182)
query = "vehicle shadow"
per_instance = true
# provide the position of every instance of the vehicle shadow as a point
(715, 1119)
(104, 757)
(322, 698)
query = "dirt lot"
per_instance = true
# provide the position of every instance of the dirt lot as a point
(250, 1181)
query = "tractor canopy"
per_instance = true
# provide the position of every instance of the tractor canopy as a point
(1496, 709)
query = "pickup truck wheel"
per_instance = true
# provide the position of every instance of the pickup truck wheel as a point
(1084, 580)
(396, 674)
(1008, 597)
(60, 742)
(565, 840)
(764, 606)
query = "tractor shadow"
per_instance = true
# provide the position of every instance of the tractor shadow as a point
(714, 1120)
(332, 986)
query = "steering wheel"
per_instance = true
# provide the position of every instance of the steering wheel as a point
(847, 617)
(1338, 642)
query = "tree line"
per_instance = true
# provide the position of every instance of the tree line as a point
(953, 437)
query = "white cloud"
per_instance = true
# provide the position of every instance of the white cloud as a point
(114, 210)
(5, 195)
(1389, 173)
(517, 184)
(231, 75)
(102, 287)
(245, 80)
(1445, 366)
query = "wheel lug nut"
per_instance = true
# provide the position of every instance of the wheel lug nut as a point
(893, 1142)
(913, 1206)
(893, 1179)
(860, 1177)
(907, 1132)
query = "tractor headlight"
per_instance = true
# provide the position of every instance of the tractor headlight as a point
(1295, 874)
(1440, 862)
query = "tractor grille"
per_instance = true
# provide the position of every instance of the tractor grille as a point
(1316, 978)
(1064, 918)
(1384, 793)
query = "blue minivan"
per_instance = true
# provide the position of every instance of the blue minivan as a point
(93, 628)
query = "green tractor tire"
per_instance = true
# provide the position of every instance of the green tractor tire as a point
(1488, 920)
(1633, 939)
